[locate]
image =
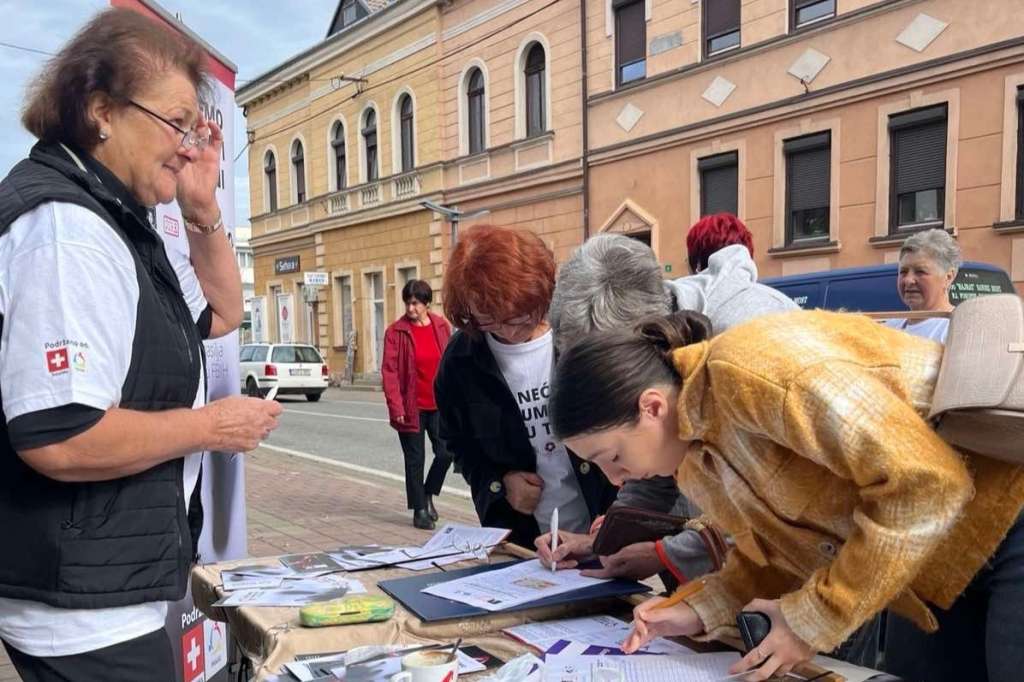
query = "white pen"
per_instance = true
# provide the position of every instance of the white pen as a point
(554, 537)
(271, 394)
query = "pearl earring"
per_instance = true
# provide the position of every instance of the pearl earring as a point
(104, 135)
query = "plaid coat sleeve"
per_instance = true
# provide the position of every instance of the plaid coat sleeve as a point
(912, 488)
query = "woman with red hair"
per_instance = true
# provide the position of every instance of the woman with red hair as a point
(723, 284)
(493, 385)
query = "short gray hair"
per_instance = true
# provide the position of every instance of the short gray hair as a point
(611, 281)
(935, 244)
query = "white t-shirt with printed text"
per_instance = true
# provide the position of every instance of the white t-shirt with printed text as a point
(527, 371)
(68, 295)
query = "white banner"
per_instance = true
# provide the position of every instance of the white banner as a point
(201, 646)
(285, 317)
(258, 305)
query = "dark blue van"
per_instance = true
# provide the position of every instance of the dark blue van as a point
(873, 288)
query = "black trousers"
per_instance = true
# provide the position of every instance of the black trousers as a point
(144, 659)
(414, 450)
(980, 638)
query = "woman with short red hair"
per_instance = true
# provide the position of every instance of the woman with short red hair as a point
(493, 385)
(723, 284)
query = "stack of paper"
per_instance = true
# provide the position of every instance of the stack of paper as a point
(301, 580)
(451, 544)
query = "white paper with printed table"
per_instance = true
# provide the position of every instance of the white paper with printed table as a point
(588, 635)
(691, 668)
(505, 588)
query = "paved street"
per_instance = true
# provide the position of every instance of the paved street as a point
(349, 429)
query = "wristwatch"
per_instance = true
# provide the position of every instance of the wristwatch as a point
(200, 228)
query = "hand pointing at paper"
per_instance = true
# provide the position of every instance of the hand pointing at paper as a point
(650, 621)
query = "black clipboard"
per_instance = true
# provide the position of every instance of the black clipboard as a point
(431, 609)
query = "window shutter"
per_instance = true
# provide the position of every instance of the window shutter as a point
(630, 34)
(719, 180)
(721, 16)
(919, 150)
(1019, 213)
(808, 165)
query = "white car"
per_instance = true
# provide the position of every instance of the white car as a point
(291, 368)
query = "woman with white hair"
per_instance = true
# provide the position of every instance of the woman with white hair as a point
(929, 261)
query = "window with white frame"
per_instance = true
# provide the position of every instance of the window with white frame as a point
(369, 133)
(340, 159)
(270, 176)
(475, 111)
(534, 72)
(299, 171)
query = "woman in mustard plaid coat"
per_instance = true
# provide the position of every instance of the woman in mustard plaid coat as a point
(803, 435)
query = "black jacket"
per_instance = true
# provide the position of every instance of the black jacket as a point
(483, 427)
(128, 540)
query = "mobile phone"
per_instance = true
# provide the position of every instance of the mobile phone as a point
(754, 627)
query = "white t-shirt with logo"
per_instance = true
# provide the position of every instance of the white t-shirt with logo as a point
(527, 371)
(68, 295)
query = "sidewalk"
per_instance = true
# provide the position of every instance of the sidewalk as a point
(296, 505)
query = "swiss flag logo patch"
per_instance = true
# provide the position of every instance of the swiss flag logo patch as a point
(193, 665)
(57, 360)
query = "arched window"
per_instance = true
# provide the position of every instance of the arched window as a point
(299, 169)
(338, 144)
(536, 123)
(270, 172)
(475, 108)
(406, 132)
(370, 144)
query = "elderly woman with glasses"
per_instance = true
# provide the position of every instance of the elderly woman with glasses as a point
(101, 359)
(493, 386)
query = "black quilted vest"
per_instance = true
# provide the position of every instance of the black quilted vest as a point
(125, 541)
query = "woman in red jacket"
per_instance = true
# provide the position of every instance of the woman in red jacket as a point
(413, 346)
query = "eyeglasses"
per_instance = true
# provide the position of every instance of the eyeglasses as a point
(486, 325)
(189, 138)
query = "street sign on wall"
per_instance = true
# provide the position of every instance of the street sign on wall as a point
(315, 279)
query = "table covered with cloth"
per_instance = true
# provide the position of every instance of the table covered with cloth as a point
(271, 636)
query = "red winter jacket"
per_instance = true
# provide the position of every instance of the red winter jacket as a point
(398, 370)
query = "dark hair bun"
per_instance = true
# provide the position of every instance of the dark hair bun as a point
(678, 329)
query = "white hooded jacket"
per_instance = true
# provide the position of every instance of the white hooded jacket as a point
(727, 292)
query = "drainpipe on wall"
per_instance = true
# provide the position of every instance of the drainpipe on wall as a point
(586, 117)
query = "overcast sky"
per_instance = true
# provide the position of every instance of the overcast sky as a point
(256, 35)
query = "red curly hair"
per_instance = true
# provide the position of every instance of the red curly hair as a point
(502, 272)
(714, 232)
